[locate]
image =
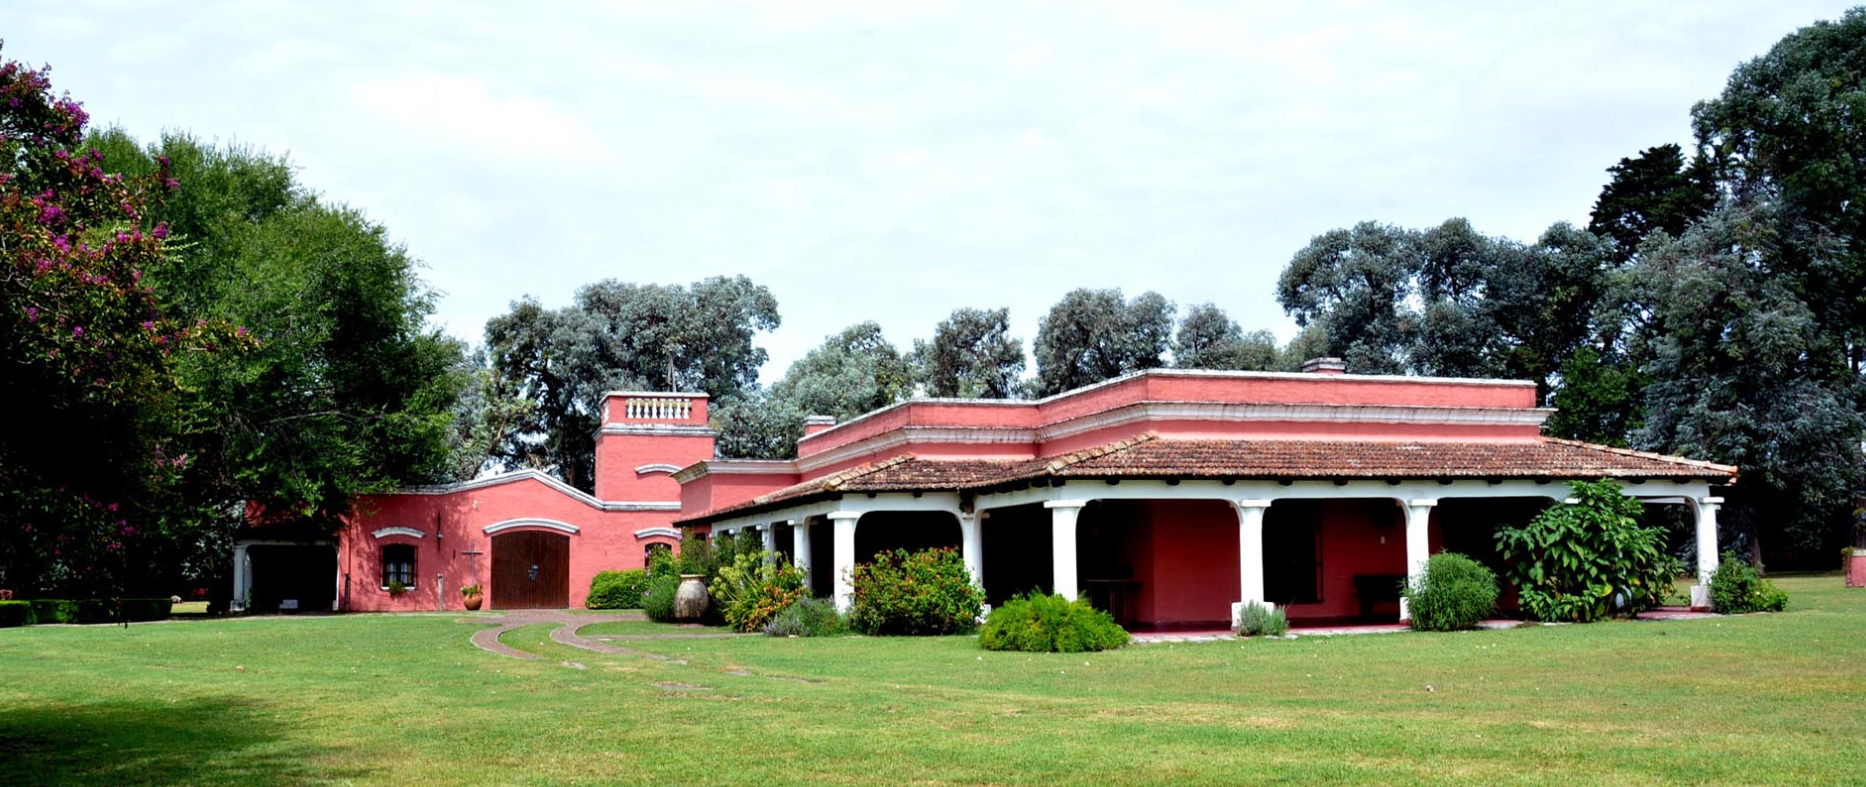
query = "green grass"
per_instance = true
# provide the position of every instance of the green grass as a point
(406, 700)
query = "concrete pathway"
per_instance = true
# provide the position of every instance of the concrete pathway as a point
(565, 632)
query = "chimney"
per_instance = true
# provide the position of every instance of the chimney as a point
(817, 423)
(1324, 366)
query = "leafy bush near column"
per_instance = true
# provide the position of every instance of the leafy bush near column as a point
(657, 599)
(915, 593)
(1736, 588)
(15, 613)
(1037, 623)
(752, 589)
(617, 589)
(696, 556)
(1258, 620)
(1455, 593)
(1590, 559)
(807, 617)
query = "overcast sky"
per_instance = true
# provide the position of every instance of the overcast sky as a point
(868, 162)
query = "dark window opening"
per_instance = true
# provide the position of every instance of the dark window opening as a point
(398, 564)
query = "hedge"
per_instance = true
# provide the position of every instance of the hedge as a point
(98, 610)
(15, 613)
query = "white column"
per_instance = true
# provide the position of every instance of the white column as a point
(1250, 556)
(800, 546)
(971, 547)
(767, 540)
(1706, 509)
(844, 561)
(238, 602)
(1418, 545)
(1063, 515)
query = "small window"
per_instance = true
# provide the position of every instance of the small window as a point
(398, 564)
(648, 552)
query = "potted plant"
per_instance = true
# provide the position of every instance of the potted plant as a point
(472, 596)
(1853, 559)
(396, 589)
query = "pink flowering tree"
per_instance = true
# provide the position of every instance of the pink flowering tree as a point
(94, 457)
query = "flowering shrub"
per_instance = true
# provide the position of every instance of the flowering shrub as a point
(751, 590)
(1736, 588)
(925, 592)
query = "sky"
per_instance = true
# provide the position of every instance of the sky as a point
(887, 162)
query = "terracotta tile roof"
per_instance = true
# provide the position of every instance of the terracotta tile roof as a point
(1149, 456)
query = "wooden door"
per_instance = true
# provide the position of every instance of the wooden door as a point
(530, 570)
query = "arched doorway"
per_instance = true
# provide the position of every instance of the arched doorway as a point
(530, 570)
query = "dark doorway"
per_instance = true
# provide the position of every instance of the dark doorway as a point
(288, 578)
(530, 570)
(1017, 546)
(1292, 552)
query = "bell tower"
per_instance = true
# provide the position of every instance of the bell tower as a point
(645, 437)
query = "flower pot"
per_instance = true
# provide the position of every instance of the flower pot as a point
(472, 602)
(1856, 570)
(690, 599)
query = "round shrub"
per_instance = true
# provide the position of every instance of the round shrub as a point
(1736, 588)
(617, 589)
(1454, 593)
(807, 617)
(915, 593)
(1258, 620)
(15, 613)
(1050, 624)
(658, 599)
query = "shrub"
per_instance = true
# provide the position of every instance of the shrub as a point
(658, 599)
(54, 610)
(662, 564)
(807, 617)
(1455, 593)
(617, 589)
(752, 589)
(137, 609)
(98, 610)
(1736, 588)
(1038, 623)
(926, 592)
(696, 557)
(1256, 619)
(1589, 560)
(15, 613)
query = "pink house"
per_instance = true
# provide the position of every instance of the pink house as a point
(1169, 497)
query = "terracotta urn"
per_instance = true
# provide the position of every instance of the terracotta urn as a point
(690, 599)
(1856, 568)
(472, 602)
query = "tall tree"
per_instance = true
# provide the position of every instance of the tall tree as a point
(618, 335)
(1355, 282)
(1658, 190)
(971, 355)
(851, 373)
(1209, 339)
(1094, 335)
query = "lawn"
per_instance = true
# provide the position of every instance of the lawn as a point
(368, 699)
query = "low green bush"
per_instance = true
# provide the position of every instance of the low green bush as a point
(99, 610)
(914, 593)
(1039, 623)
(657, 600)
(1736, 588)
(753, 589)
(15, 613)
(55, 610)
(617, 589)
(1256, 619)
(807, 617)
(1589, 560)
(1454, 593)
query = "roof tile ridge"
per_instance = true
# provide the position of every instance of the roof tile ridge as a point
(1642, 454)
(838, 479)
(1073, 458)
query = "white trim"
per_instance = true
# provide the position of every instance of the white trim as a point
(399, 531)
(548, 524)
(701, 469)
(653, 532)
(661, 467)
(657, 430)
(658, 394)
(506, 478)
(644, 505)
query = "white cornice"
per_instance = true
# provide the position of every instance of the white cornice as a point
(909, 435)
(657, 394)
(653, 532)
(1221, 412)
(548, 480)
(646, 505)
(398, 531)
(512, 524)
(699, 470)
(657, 430)
(657, 468)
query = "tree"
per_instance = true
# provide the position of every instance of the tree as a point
(851, 373)
(1210, 339)
(349, 391)
(95, 459)
(1658, 190)
(971, 355)
(1355, 283)
(1095, 335)
(619, 335)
